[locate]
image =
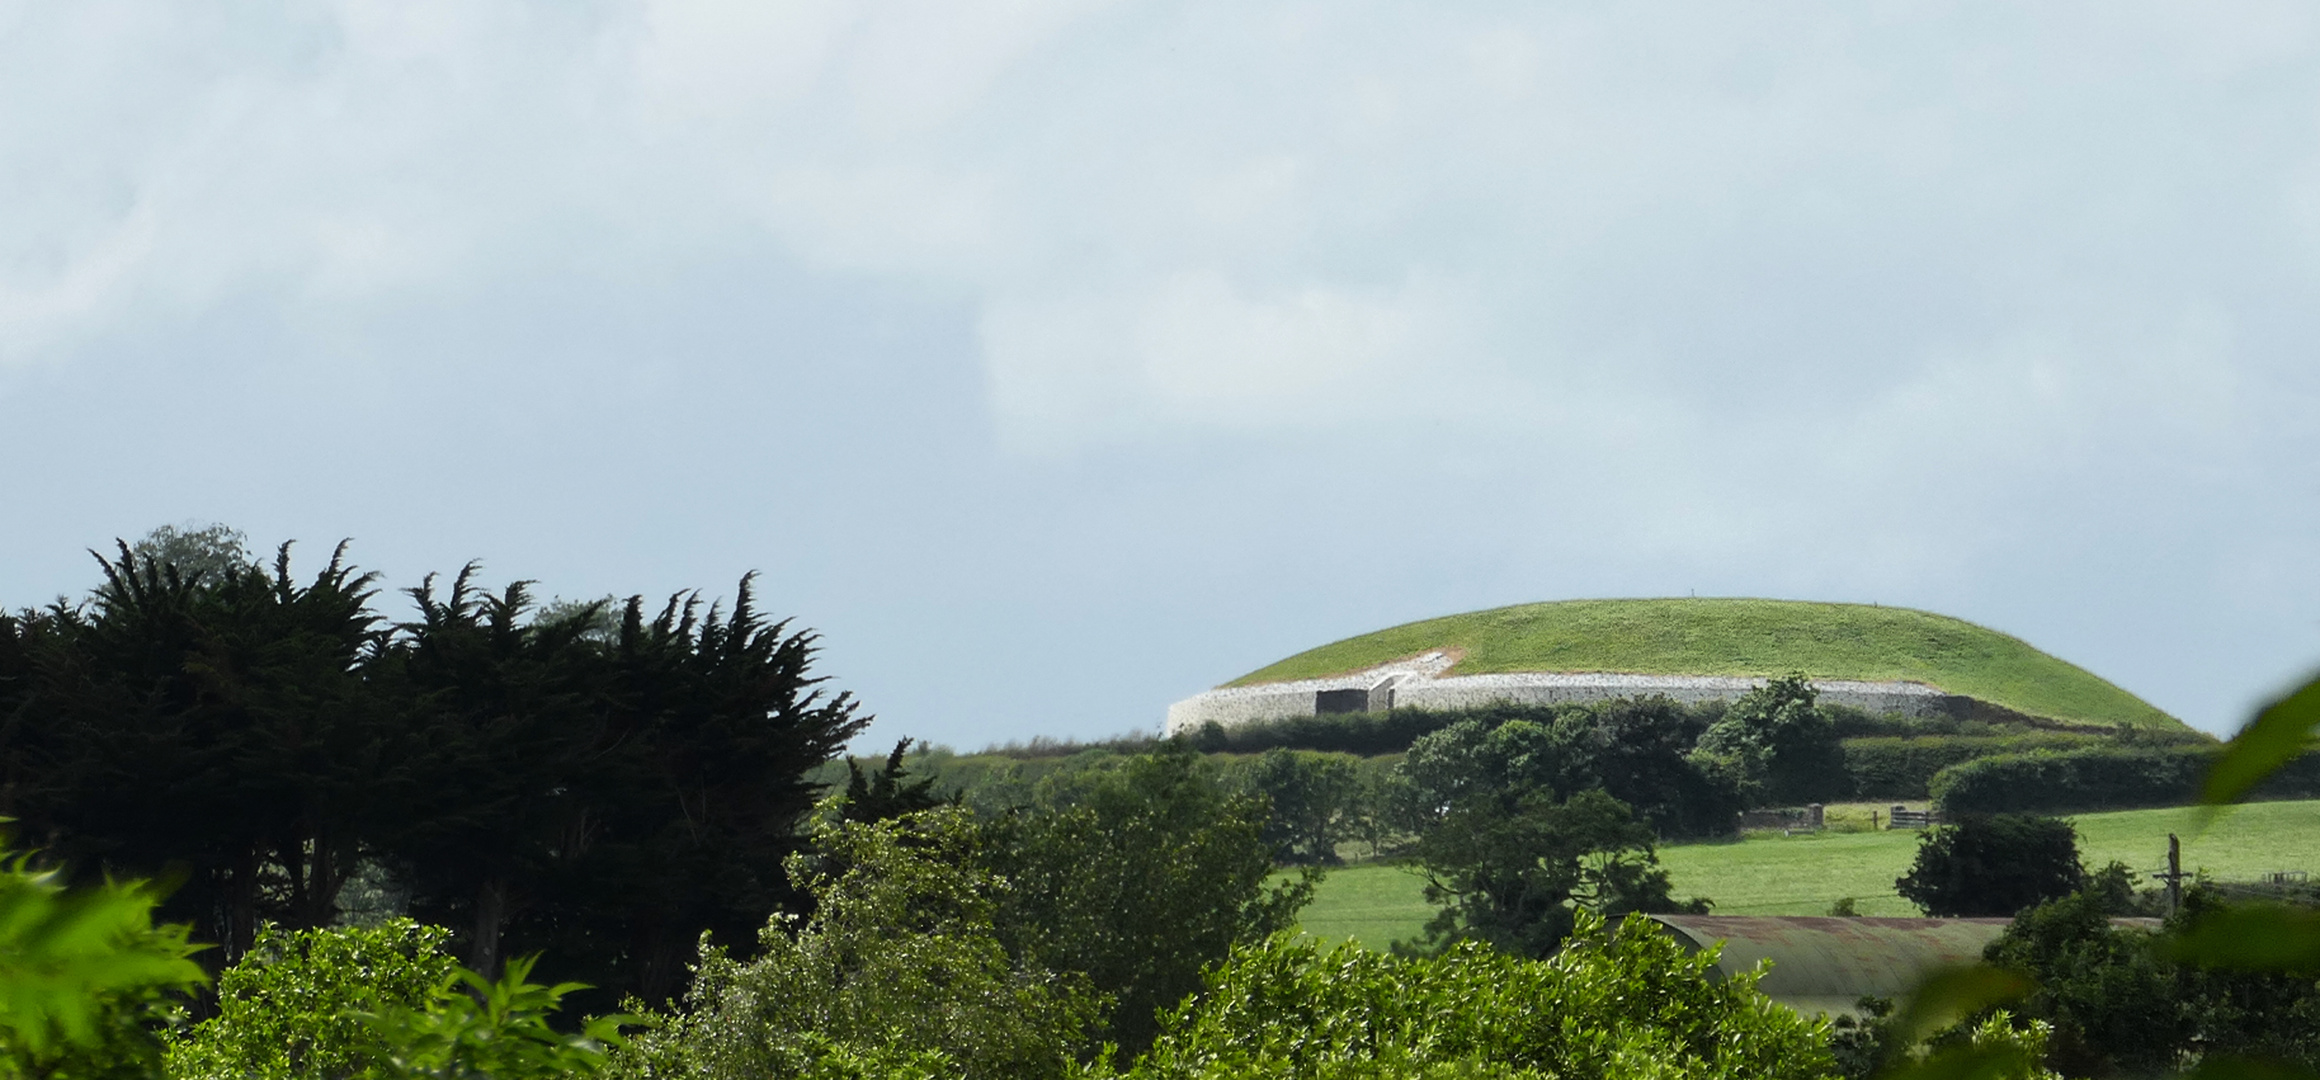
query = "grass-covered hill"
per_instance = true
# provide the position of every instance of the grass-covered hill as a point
(1745, 638)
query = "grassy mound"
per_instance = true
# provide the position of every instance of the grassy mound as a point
(1746, 638)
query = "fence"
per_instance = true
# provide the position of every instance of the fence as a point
(1904, 818)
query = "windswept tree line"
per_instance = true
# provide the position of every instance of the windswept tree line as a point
(598, 782)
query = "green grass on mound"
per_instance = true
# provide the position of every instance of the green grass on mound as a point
(1744, 638)
(1804, 874)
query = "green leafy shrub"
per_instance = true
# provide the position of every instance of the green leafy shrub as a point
(1780, 743)
(289, 1007)
(86, 979)
(2123, 1003)
(1895, 767)
(473, 1028)
(2050, 781)
(1364, 734)
(1312, 800)
(1517, 873)
(1140, 875)
(1625, 1004)
(898, 972)
(1988, 867)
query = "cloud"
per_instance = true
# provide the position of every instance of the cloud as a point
(1890, 294)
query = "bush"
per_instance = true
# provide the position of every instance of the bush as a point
(1890, 767)
(1636, 750)
(1780, 744)
(1993, 866)
(286, 1008)
(2051, 781)
(1360, 734)
(1625, 1004)
(86, 978)
(900, 970)
(1140, 876)
(2123, 1002)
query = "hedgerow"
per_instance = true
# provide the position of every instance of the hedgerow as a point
(2102, 778)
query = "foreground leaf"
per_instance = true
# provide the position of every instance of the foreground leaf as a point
(2255, 938)
(1947, 997)
(2274, 738)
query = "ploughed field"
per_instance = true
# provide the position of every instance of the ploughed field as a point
(1771, 874)
(1747, 638)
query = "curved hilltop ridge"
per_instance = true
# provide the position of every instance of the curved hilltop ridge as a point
(1740, 638)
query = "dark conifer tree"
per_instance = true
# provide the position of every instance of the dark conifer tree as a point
(214, 726)
(887, 792)
(540, 783)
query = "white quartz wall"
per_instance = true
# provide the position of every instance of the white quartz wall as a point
(1413, 687)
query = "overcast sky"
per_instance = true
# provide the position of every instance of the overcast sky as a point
(1057, 360)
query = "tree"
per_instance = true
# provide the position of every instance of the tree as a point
(608, 800)
(2123, 1002)
(1993, 866)
(1640, 751)
(887, 792)
(1312, 802)
(213, 553)
(222, 725)
(1782, 747)
(1512, 870)
(1140, 875)
(1473, 759)
(597, 789)
(1636, 750)
(899, 970)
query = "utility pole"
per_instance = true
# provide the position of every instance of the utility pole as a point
(2174, 875)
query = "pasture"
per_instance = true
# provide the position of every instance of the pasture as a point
(1771, 874)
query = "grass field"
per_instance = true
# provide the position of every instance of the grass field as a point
(1804, 874)
(1746, 638)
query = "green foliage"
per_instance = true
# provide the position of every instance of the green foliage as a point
(214, 552)
(2125, 1002)
(2278, 736)
(604, 800)
(1313, 802)
(1745, 638)
(2104, 778)
(1624, 1004)
(1634, 750)
(1996, 1048)
(899, 971)
(887, 791)
(287, 1009)
(1993, 866)
(600, 786)
(1140, 875)
(473, 1028)
(2228, 989)
(1903, 767)
(1782, 748)
(1364, 734)
(1513, 872)
(86, 978)
(1519, 823)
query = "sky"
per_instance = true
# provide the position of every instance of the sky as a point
(1058, 359)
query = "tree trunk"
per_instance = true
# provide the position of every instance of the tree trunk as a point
(242, 907)
(491, 903)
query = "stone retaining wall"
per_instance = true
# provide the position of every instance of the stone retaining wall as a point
(1417, 684)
